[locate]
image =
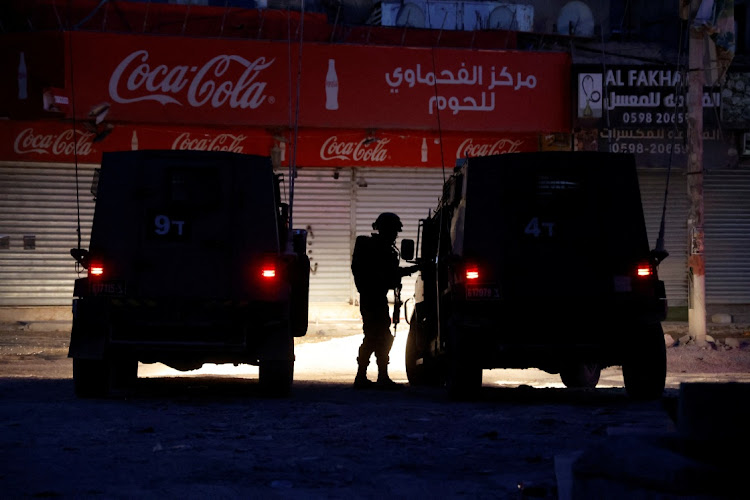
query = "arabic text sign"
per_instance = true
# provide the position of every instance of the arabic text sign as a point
(637, 97)
(660, 148)
(242, 82)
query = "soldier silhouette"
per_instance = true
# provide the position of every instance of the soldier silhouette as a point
(375, 266)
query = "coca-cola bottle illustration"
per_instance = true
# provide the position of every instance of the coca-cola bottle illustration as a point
(134, 142)
(332, 86)
(424, 150)
(22, 78)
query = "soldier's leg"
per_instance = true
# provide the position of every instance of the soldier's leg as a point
(369, 343)
(382, 354)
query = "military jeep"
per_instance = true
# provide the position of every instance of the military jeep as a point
(190, 261)
(538, 260)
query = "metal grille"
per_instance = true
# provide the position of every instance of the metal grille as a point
(322, 205)
(673, 271)
(727, 236)
(38, 221)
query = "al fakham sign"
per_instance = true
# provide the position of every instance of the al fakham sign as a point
(221, 82)
(637, 97)
(52, 141)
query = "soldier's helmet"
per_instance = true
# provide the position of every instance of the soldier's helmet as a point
(386, 221)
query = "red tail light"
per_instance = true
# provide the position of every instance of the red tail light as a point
(96, 270)
(472, 272)
(644, 270)
(268, 272)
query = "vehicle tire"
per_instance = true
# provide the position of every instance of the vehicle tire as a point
(425, 373)
(581, 375)
(90, 378)
(464, 374)
(276, 377)
(645, 368)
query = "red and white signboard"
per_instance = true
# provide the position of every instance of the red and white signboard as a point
(53, 141)
(215, 82)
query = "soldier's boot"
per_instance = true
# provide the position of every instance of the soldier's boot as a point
(361, 381)
(384, 381)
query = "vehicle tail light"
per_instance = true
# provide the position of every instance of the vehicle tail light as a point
(96, 269)
(472, 272)
(644, 270)
(268, 271)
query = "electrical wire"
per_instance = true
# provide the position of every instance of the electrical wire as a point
(91, 14)
(75, 147)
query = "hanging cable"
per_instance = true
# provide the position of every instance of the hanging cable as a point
(75, 147)
(293, 159)
(91, 14)
(437, 114)
(660, 249)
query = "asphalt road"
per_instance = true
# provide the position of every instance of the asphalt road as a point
(213, 435)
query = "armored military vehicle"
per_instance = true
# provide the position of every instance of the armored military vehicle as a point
(190, 261)
(539, 260)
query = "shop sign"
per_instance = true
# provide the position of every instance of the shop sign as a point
(637, 97)
(662, 147)
(54, 141)
(221, 82)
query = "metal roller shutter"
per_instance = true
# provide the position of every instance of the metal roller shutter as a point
(38, 227)
(409, 192)
(322, 205)
(727, 236)
(674, 268)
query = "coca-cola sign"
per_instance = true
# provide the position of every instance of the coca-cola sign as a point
(269, 84)
(471, 148)
(355, 151)
(224, 80)
(220, 142)
(65, 143)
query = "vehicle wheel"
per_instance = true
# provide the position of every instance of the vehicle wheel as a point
(276, 377)
(425, 373)
(464, 374)
(581, 375)
(645, 369)
(90, 378)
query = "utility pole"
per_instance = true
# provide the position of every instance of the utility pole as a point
(696, 256)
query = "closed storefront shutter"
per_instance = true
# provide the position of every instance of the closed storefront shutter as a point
(727, 236)
(38, 227)
(409, 192)
(322, 205)
(673, 271)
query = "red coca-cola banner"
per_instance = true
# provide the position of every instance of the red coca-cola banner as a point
(179, 80)
(51, 141)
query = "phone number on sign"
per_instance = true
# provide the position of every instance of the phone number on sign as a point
(636, 118)
(639, 147)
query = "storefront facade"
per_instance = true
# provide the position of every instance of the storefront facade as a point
(355, 129)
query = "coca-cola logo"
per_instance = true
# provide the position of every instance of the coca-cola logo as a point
(66, 143)
(136, 80)
(222, 142)
(360, 151)
(468, 148)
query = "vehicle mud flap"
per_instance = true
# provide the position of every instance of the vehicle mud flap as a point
(88, 337)
(421, 368)
(644, 370)
(464, 373)
(276, 364)
(300, 296)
